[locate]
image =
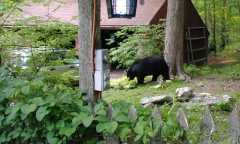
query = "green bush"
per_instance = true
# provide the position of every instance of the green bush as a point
(138, 42)
(53, 35)
(225, 71)
(123, 83)
(36, 109)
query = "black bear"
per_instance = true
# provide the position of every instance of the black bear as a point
(154, 65)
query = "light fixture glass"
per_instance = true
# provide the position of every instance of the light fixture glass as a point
(121, 8)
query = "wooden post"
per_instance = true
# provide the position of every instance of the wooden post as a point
(183, 122)
(207, 127)
(234, 120)
(157, 123)
(89, 40)
(112, 139)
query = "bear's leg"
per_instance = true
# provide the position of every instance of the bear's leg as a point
(154, 78)
(166, 76)
(140, 79)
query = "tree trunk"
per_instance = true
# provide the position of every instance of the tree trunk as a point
(0, 56)
(214, 28)
(174, 41)
(88, 41)
(223, 34)
(205, 12)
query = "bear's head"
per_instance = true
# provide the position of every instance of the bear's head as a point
(130, 74)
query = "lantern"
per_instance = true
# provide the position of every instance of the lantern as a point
(121, 8)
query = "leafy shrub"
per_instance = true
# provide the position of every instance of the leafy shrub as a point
(53, 58)
(123, 83)
(192, 70)
(39, 110)
(224, 71)
(54, 35)
(138, 42)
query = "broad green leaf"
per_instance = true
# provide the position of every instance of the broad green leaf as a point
(67, 131)
(121, 118)
(60, 124)
(101, 118)
(77, 120)
(13, 114)
(139, 128)
(108, 127)
(87, 120)
(51, 138)
(15, 133)
(38, 101)
(124, 133)
(26, 90)
(84, 118)
(27, 109)
(41, 113)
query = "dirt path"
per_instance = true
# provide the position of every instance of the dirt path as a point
(115, 74)
(202, 84)
(214, 85)
(206, 84)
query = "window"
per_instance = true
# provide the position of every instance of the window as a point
(122, 8)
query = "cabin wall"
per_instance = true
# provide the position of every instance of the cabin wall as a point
(196, 36)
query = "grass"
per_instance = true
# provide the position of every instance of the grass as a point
(134, 95)
(220, 112)
(228, 70)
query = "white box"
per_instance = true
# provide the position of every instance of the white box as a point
(102, 72)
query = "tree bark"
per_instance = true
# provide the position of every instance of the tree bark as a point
(174, 41)
(88, 41)
(224, 34)
(214, 27)
(205, 12)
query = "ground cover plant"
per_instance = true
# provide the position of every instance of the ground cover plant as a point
(36, 108)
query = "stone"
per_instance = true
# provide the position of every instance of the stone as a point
(184, 93)
(208, 99)
(200, 84)
(159, 100)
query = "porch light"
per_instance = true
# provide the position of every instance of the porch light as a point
(121, 8)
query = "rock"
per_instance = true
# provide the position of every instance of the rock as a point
(226, 98)
(184, 93)
(208, 99)
(168, 81)
(200, 95)
(148, 105)
(160, 100)
(200, 84)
